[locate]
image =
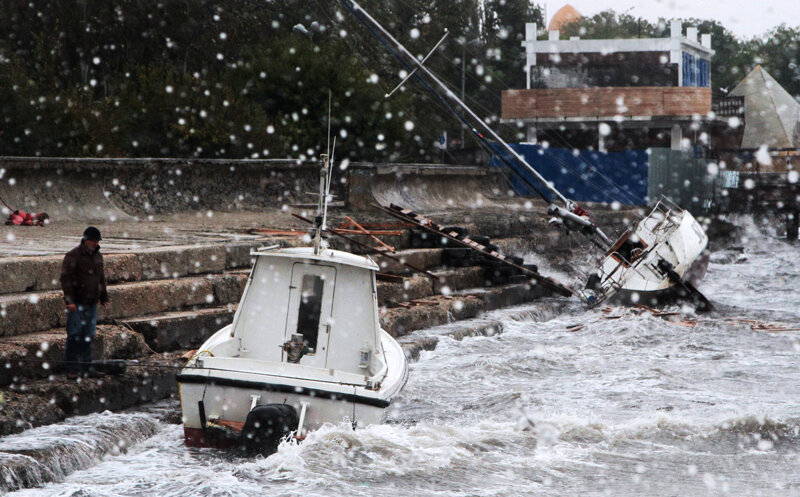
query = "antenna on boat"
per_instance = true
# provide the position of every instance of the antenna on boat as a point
(328, 188)
(325, 174)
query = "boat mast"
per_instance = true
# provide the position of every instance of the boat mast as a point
(322, 207)
(567, 213)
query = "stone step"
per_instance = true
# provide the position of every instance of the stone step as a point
(28, 274)
(418, 286)
(441, 309)
(487, 324)
(181, 330)
(38, 402)
(37, 274)
(420, 258)
(141, 302)
(28, 313)
(40, 355)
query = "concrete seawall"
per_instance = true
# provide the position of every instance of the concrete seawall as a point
(105, 189)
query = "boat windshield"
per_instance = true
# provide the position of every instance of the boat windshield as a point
(310, 309)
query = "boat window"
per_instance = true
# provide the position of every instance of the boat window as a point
(630, 251)
(310, 308)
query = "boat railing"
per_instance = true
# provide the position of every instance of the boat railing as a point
(667, 208)
(632, 265)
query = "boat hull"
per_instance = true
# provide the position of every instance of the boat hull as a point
(211, 397)
(669, 295)
(661, 259)
(237, 400)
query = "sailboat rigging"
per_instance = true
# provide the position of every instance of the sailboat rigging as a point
(650, 261)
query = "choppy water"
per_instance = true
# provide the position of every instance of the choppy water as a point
(633, 406)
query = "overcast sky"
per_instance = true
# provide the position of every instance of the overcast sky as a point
(745, 18)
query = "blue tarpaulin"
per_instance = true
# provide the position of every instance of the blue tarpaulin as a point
(582, 175)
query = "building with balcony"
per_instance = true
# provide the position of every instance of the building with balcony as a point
(616, 120)
(613, 94)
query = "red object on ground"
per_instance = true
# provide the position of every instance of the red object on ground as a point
(22, 218)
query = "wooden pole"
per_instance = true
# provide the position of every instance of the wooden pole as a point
(387, 247)
(542, 280)
(373, 250)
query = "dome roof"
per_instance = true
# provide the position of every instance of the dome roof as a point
(564, 16)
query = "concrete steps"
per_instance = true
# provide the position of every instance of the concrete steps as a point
(441, 309)
(44, 401)
(39, 355)
(29, 274)
(181, 330)
(152, 282)
(40, 311)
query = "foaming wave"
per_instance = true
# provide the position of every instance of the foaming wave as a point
(50, 453)
(384, 450)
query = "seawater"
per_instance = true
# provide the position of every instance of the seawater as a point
(630, 406)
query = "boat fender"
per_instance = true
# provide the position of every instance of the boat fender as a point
(267, 425)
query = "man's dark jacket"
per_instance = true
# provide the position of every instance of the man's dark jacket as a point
(82, 278)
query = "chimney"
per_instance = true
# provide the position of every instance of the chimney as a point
(675, 28)
(705, 40)
(691, 34)
(530, 31)
(553, 35)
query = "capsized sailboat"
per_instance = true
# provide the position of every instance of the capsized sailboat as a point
(665, 246)
(305, 348)
(660, 259)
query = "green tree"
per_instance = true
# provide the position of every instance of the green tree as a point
(779, 52)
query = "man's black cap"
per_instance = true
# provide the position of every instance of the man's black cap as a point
(92, 233)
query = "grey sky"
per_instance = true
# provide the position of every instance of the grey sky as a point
(745, 18)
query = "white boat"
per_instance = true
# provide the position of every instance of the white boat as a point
(305, 348)
(661, 258)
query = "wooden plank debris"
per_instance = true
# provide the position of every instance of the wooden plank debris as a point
(373, 249)
(372, 235)
(754, 324)
(426, 224)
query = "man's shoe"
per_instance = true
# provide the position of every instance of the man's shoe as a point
(95, 374)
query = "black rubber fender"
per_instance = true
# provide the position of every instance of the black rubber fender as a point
(267, 425)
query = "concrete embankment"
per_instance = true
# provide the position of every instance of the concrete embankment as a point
(125, 189)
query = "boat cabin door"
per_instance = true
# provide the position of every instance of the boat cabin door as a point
(310, 305)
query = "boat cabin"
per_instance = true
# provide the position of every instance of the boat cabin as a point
(317, 310)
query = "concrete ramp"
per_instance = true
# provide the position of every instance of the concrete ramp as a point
(427, 188)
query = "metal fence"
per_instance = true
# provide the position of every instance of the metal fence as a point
(682, 177)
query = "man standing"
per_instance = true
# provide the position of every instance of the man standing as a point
(84, 284)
